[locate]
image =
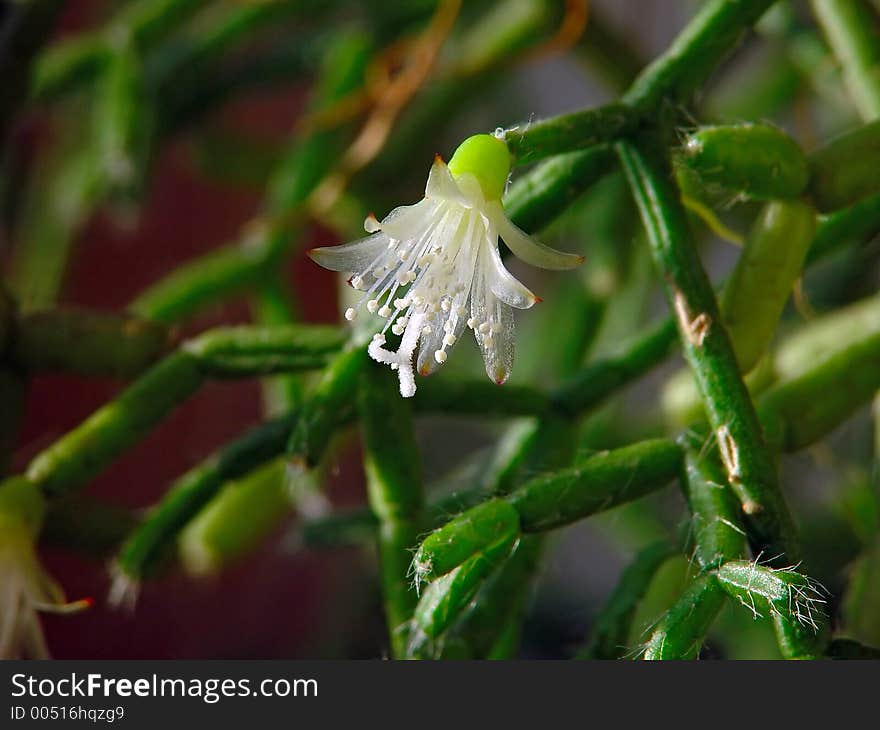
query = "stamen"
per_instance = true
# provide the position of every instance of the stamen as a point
(371, 225)
(350, 314)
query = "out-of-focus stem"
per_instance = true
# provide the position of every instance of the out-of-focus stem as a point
(850, 27)
(395, 492)
(141, 555)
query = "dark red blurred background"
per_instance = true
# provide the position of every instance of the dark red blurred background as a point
(278, 603)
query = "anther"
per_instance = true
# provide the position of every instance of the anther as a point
(371, 225)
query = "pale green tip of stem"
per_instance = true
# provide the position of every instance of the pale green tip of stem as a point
(487, 158)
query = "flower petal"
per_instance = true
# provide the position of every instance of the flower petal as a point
(498, 356)
(527, 249)
(503, 284)
(33, 642)
(351, 257)
(407, 222)
(441, 185)
(493, 330)
(432, 341)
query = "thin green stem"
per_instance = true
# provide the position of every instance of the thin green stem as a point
(598, 380)
(569, 132)
(228, 352)
(612, 626)
(218, 536)
(844, 171)
(462, 537)
(83, 452)
(191, 286)
(145, 548)
(331, 404)
(497, 610)
(850, 28)
(241, 352)
(750, 467)
(765, 273)
(537, 198)
(541, 195)
(715, 512)
(680, 633)
(596, 484)
(855, 224)
(790, 599)
(395, 492)
(86, 343)
(706, 40)
(798, 412)
(752, 161)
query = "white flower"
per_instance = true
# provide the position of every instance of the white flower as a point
(25, 588)
(433, 268)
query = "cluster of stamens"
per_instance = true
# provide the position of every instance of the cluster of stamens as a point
(423, 282)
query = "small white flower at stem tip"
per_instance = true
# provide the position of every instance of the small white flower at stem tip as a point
(25, 587)
(433, 268)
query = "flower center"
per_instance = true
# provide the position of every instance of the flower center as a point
(487, 159)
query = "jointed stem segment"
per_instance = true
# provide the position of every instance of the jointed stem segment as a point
(749, 464)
